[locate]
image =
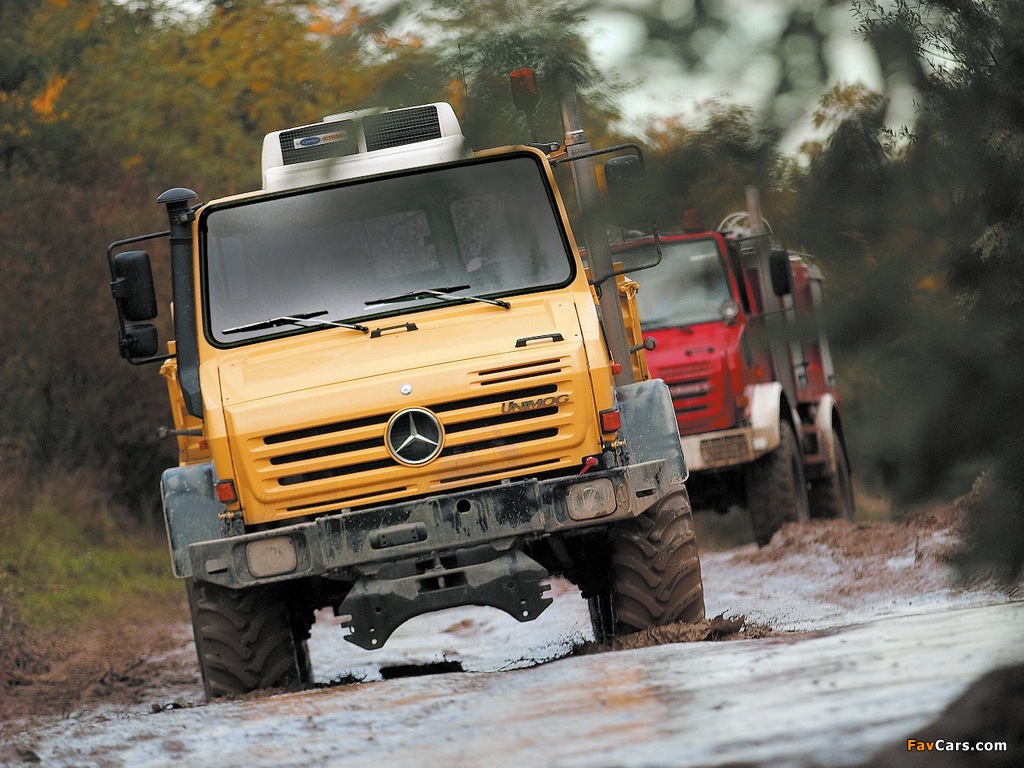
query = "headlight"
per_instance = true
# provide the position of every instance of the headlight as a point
(271, 557)
(592, 499)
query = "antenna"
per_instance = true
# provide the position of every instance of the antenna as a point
(465, 83)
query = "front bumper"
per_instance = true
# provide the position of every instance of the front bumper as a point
(727, 447)
(356, 544)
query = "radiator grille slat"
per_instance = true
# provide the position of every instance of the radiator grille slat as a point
(507, 420)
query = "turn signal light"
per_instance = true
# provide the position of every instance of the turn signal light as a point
(611, 421)
(225, 490)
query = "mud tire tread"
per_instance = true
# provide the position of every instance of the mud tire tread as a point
(246, 639)
(831, 498)
(656, 576)
(776, 489)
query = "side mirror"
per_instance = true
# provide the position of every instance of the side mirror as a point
(138, 341)
(132, 286)
(781, 273)
(626, 181)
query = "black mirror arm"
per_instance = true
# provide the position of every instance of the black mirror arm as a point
(635, 148)
(116, 287)
(144, 360)
(597, 282)
(130, 241)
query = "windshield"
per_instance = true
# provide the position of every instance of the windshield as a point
(488, 228)
(688, 286)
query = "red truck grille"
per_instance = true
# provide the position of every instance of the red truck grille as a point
(689, 386)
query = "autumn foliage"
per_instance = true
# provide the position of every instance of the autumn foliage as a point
(104, 104)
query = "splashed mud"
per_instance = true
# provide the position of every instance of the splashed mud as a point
(843, 638)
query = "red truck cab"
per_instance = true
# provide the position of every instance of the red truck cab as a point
(739, 338)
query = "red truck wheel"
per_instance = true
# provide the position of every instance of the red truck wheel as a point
(776, 488)
(832, 497)
(246, 639)
(656, 578)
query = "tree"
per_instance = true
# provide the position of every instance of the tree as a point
(40, 42)
(189, 100)
(477, 43)
(707, 162)
(969, 62)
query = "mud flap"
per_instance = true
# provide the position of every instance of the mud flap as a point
(191, 512)
(377, 606)
(649, 426)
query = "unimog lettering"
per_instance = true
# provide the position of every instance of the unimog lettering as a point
(528, 405)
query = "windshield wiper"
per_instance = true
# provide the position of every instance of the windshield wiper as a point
(438, 293)
(299, 319)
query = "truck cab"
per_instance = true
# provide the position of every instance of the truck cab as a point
(737, 331)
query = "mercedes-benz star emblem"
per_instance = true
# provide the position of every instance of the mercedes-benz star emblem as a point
(414, 436)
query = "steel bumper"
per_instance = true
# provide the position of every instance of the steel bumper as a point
(355, 544)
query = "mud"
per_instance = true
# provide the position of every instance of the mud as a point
(144, 664)
(811, 581)
(718, 628)
(991, 711)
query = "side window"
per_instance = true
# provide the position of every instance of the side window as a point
(228, 269)
(736, 267)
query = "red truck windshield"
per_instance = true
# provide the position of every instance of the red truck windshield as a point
(283, 264)
(688, 286)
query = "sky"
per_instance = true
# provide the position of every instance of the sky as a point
(740, 71)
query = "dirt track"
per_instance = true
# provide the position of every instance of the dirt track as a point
(131, 695)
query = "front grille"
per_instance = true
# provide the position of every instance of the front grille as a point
(400, 127)
(508, 420)
(686, 371)
(691, 396)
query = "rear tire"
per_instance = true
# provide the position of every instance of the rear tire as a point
(656, 577)
(776, 488)
(247, 639)
(831, 497)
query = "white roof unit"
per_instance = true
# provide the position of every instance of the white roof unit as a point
(362, 143)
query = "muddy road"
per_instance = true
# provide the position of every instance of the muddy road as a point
(855, 636)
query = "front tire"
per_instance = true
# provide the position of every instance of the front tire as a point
(247, 639)
(776, 488)
(656, 577)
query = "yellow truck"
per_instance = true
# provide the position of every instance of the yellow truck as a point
(395, 390)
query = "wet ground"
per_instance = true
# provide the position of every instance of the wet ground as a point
(855, 636)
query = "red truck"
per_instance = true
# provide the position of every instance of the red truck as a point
(738, 335)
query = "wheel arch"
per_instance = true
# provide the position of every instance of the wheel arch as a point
(769, 407)
(828, 423)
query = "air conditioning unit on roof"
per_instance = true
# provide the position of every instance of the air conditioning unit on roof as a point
(362, 143)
